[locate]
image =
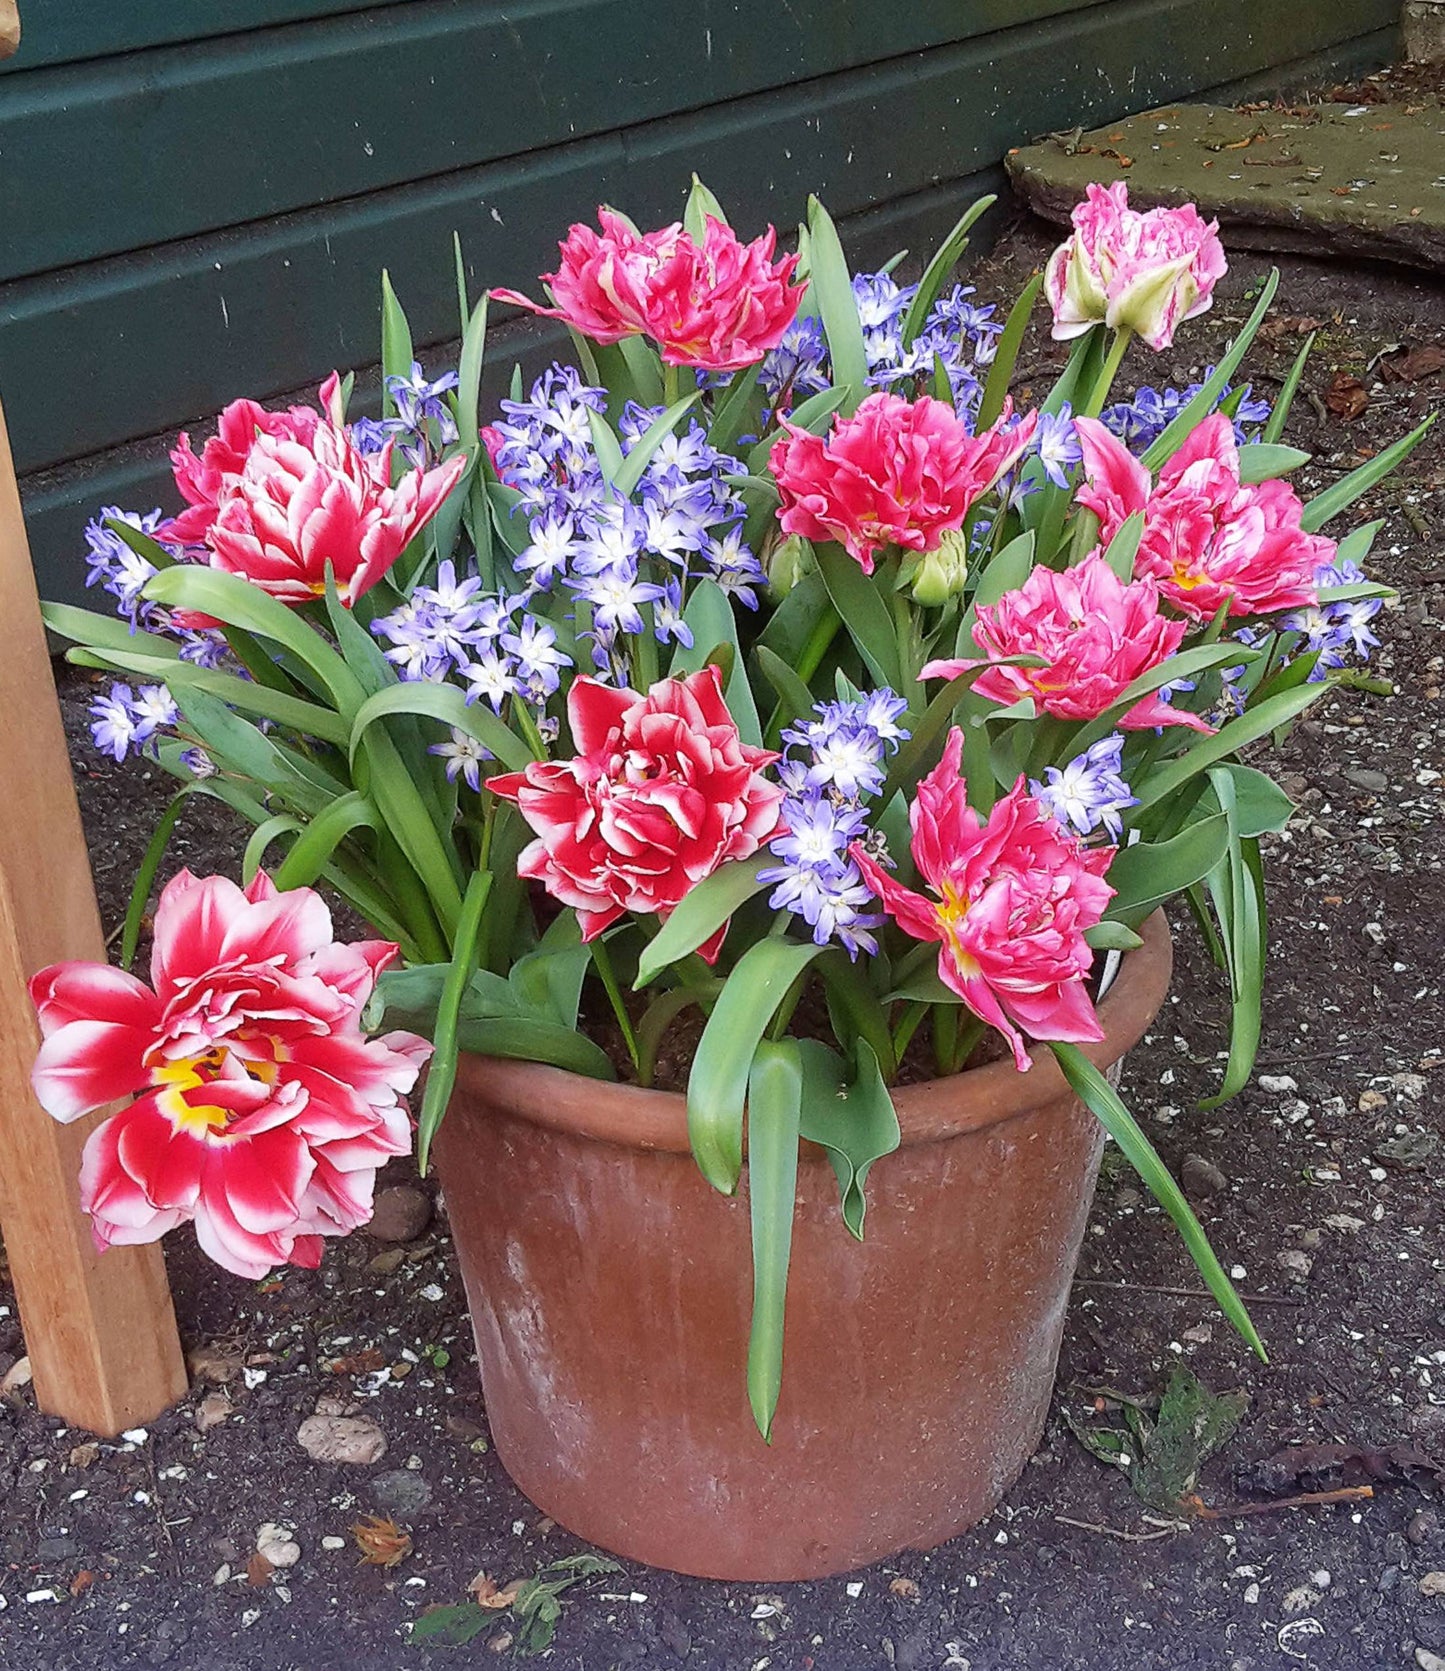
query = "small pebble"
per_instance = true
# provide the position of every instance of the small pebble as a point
(333, 1543)
(1296, 1265)
(1424, 1524)
(1433, 1584)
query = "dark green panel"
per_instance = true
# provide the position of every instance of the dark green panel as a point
(154, 338)
(197, 138)
(63, 31)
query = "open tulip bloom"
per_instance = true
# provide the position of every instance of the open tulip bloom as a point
(763, 651)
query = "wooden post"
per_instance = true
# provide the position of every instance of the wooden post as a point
(99, 1328)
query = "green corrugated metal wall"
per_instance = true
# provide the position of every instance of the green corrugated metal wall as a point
(197, 199)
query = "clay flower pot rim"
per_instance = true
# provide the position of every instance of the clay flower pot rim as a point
(627, 1115)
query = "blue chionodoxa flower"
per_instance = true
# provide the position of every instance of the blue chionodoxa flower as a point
(833, 764)
(1089, 793)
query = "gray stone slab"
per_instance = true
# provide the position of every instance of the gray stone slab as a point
(1366, 181)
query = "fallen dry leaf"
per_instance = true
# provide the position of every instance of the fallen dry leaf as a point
(1410, 365)
(258, 1571)
(1321, 1467)
(83, 1455)
(904, 1588)
(220, 1362)
(17, 1376)
(486, 1593)
(354, 1439)
(365, 1362)
(82, 1581)
(213, 1409)
(381, 1541)
(1346, 396)
(1289, 325)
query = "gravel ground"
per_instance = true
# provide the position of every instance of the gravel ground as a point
(1321, 1184)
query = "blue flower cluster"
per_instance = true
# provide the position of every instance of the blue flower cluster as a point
(956, 333)
(832, 766)
(418, 404)
(627, 562)
(1141, 421)
(1337, 630)
(125, 720)
(487, 639)
(1089, 793)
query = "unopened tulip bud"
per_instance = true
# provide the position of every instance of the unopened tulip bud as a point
(791, 561)
(941, 574)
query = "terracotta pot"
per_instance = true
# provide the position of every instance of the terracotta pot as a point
(610, 1291)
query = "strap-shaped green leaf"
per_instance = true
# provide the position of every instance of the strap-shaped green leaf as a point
(629, 472)
(856, 597)
(1178, 430)
(936, 273)
(1236, 892)
(239, 603)
(1257, 721)
(145, 876)
(309, 718)
(700, 204)
(107, 632)
(1279, 416)
(730, 417)
(832, 289)
(1124, 546)
(775, 1092)
(606, 445)
(701, 913)
(718, 1083)
(442, 1072)
(1000, 373)
(1262, 461)
(792, 692)
(526, 1038)
(1147, 873)
(312, 850)
(396, 349)
(447, 704)
(714, 621)
(1096, 1093)
(1334, 499)
(855, 1121)
(262, 837)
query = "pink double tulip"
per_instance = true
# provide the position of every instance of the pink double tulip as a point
(1094, 635)
(661, 792)
(297, 507)
(897, 473)
(202, 477)
(261, 1112)
(1012, 897)
(718, 305)
(1144, 272)
(1209, 539)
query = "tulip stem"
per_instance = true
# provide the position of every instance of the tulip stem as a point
(602, 958)
(1117, 349)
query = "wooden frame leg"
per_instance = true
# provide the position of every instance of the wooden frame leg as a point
(99, 1328)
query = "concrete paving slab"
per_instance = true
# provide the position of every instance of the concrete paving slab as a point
(1357, 180)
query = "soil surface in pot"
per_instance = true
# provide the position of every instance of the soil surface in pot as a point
(1322, 1182)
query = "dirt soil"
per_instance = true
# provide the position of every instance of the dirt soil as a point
(1328, 1202)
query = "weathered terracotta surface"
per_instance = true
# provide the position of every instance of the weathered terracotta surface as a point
(610, 1290)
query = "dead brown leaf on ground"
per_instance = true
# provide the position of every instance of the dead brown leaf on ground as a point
(486, 1592)
(1332, 1467)
(1410, 365)
(1346, 396)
